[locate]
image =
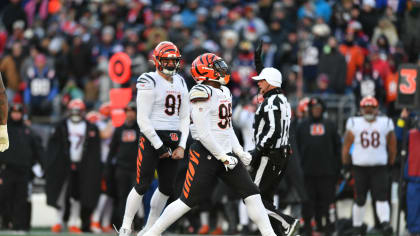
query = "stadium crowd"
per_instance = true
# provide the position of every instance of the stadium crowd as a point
(54, 58)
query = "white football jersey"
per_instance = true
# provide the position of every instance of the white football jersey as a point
(167, 101)
(370, 148)
(76, 137)
(220, 104)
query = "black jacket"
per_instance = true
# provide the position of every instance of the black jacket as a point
(124, 147)
(335, 67)
(319, 146)
(57, 165)
(25, 147)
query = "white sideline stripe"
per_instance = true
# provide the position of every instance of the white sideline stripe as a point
(260, 171)
(278, 217)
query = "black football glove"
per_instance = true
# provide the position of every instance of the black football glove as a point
(257, 58)
(162, 150)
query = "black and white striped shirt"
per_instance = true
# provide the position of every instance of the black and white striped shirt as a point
(272, 121)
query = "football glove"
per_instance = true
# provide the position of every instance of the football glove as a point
(4, 138)
(162, 150)
(229, 161)
(245, 157)
(257, 58)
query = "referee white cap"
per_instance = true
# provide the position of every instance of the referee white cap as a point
(271, 75)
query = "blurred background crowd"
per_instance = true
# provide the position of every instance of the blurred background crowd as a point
(53, 51)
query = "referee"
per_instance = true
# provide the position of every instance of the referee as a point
(272, 149)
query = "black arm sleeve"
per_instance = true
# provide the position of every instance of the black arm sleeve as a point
(113, 146)
(257, 58)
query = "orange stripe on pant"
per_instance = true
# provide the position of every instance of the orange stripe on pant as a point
(190, 173)
(139, 159)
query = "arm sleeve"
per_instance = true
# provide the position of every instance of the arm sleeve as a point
(184, 117)
(144, 96)
(200, 113)
(272, 125)
(113, 146)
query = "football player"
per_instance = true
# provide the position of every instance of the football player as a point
(73, 167)
(162, 98)
(374, 149)
(216, 149)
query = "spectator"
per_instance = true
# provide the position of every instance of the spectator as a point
(354, 57)
(368, 82)
(369, 17)
(317, 8)
(10, 66)
(12, 13)
(80, 63)
(195, 48)
(334, 66)
(269, 51)
(41, 88)
(229, 41)
(387, 29)
(411, 34)
(251, 27)
(188, 14)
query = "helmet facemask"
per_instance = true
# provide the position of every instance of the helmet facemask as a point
(369, 112)
(167, 67)
(221, 71)
(76, 115)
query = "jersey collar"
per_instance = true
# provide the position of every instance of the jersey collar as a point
(271, 92)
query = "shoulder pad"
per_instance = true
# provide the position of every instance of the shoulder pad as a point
(145, 82)
(199, 93)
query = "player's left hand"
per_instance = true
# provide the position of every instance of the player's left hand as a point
(178, 153)
(4, 138)
(245, 157)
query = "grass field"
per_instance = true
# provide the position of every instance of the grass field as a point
(48, 233)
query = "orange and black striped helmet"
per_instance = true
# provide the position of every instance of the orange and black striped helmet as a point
(369, 101)
(163, 54)
(209, 66)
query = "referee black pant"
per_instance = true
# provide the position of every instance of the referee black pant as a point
(267, 176)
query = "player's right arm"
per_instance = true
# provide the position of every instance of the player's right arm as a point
(146, 94)
(348, 141)
(200, 113)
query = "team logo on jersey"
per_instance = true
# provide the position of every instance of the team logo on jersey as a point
(317, 129)
(128, 136)
(174, 137)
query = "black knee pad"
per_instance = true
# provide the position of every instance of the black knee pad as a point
(166, 188)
